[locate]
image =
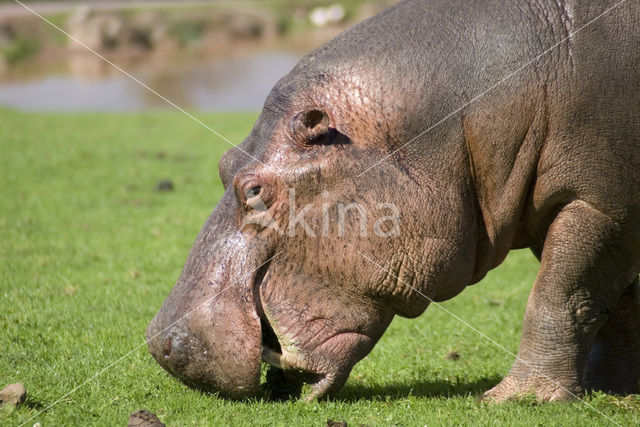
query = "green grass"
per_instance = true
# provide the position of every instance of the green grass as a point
(88, 252)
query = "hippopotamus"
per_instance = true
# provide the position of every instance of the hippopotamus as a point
(399, 163)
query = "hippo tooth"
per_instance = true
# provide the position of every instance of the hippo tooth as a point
(271, 357)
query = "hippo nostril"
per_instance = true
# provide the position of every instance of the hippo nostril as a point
(166, 347)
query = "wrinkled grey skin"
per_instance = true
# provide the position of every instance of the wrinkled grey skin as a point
(549, 159)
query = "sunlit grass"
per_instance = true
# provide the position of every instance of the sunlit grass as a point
(89, 250)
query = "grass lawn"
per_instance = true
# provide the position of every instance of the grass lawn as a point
(89, 251)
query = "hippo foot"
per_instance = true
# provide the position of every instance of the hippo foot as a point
(544, 390)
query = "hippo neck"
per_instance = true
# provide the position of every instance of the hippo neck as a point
(504, 145)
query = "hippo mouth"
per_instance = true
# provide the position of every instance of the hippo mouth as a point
(285, 376)
(283, 381)
(231, 347)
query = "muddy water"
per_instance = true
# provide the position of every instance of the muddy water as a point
(226, 83)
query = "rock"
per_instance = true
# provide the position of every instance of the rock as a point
(144, 418)
(147, 30)
(13, 394)
(96, 30)
(164, 185)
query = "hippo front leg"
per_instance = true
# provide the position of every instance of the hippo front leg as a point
(577, 288)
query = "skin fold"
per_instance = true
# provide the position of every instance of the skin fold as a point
(547, 158)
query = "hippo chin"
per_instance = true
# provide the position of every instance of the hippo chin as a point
(399, 163)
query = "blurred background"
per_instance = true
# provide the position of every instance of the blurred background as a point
(202, 55)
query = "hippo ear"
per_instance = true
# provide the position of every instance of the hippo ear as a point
(310, 126)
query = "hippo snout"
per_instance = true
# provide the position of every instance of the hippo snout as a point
(206, 362)
(171, 347)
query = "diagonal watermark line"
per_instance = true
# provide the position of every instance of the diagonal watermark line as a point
(483, 93)
(150, 89)
(485, 336)
(103, 370)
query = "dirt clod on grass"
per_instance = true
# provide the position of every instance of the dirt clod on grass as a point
(144, 418)
(331, 423)
(13, 394)
(164, 185)
(452, 355)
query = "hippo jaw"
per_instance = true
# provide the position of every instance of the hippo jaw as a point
(317, 343)
(324, 377)
(218, 341)
(322, 371)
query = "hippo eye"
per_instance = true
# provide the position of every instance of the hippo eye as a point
(254, 195)
(257, 197)
(255, 191)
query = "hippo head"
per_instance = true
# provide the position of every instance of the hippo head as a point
(306, 259)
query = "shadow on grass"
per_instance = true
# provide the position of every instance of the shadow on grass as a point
(432, 389)
(33, 404)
